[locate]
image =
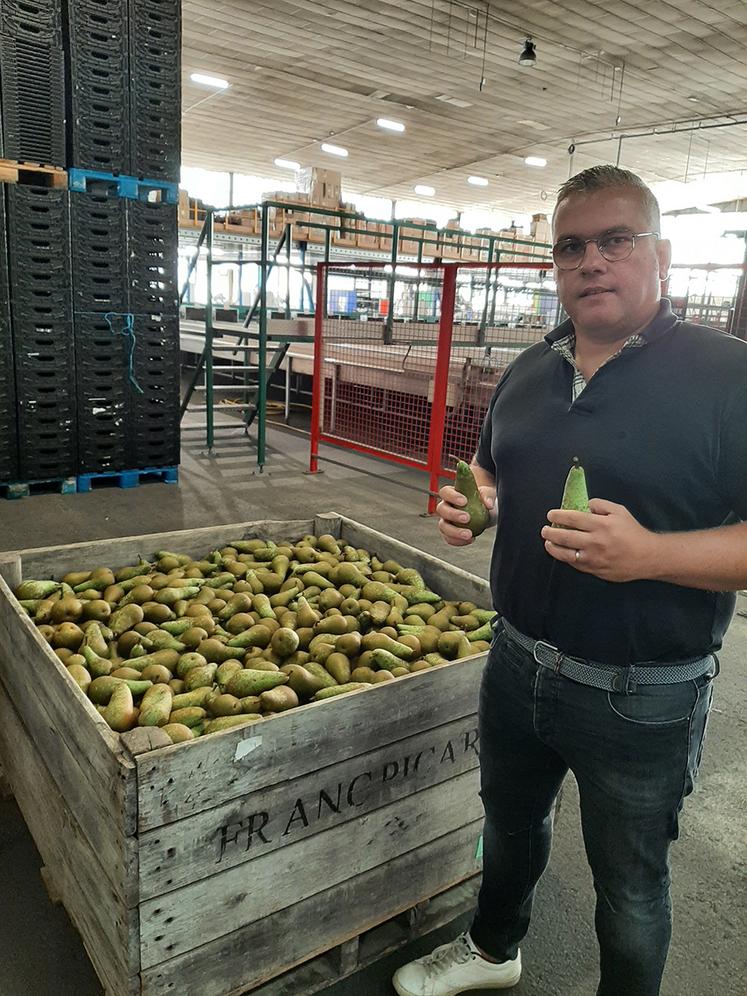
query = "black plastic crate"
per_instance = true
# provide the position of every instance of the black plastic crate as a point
(155, 130)
(98, 229)
(99, 15)
(102, 443)
(37, 219)
(46, 421)
(8, 433)
(38, 258)
(155, 413)
(156, 14)
(33, 19)
(152, 241)
(33, 99)
(156, 448)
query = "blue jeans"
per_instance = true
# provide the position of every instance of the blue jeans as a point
(635, 758)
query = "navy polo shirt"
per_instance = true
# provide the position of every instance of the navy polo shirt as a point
(660, 429)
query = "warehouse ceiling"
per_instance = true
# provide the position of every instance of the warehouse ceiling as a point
(660, 87)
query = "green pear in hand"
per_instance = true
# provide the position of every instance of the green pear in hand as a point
(575, 495)
(465, 484)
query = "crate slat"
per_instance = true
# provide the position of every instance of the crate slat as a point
(263, 821)
(174, 783)
(107, 929)
(43, 562)
(82, 754)
(266, 948)
(293, 873)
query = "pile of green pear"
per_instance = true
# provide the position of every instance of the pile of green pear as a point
(199, 645)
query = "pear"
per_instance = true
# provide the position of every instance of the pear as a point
(479, 517)
(575, 495)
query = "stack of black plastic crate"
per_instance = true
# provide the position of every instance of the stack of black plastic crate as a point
(99, 257)
(155, 83)
(32, 70)
(154, 414)
(98, 112)
(89, 330)
(8, 436)
(125, 64)
(39, 270)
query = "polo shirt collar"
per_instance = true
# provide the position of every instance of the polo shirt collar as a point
(663, 321)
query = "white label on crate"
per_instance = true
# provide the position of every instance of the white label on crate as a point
(246, 747)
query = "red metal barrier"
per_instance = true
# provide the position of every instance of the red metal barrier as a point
(412, 386)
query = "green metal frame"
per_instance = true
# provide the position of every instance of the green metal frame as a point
(428, 241)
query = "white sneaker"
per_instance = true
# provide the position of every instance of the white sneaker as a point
(455, 968)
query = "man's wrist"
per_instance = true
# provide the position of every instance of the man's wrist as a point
(656, 560)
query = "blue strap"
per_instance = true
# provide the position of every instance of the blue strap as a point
(128, 331)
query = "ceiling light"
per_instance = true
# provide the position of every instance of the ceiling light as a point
(334, 150)
(454, 101)
(528, 56)
(423, 190)
(214, 81)
(287, 164)
(535, 161)
(389, 124)
(694, 98)
(477, 181)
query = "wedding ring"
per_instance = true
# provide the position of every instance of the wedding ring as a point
(578, 555)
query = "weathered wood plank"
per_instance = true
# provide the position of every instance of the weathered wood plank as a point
(82, 754)
(179, 781)
(263, 821)
(208, 909)
(265, 948)
(44, 562)
(451, 581)
(109, 931)
(10, 569)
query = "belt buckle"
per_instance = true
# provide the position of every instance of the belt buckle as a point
(554, 650)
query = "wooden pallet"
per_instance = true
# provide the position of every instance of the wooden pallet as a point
(34, 174)
(128, 478)
(55, 485)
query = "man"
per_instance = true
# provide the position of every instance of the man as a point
(604, 654)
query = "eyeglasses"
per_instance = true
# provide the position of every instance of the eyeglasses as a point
(569, 253)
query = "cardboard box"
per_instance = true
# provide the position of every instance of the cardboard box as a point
(323, 186)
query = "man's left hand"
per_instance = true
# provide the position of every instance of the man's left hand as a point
(610, 543)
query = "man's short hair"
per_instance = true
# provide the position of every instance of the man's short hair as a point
(606, 177)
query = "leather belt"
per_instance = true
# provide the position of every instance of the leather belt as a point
(608, 677)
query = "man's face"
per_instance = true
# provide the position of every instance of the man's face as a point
(606, 300)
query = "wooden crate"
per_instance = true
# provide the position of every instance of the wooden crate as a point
(211, 867)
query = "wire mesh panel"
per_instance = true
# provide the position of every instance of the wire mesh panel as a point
(499, 311)
(406, 360)
(376, 362)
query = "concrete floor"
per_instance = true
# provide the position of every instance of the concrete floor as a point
(40, 952)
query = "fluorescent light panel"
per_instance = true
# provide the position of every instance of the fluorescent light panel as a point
(287, 164)
(477, 181)
(390, 125)
(214, 81)
(535, 161)
(424, 190)
(334, 150)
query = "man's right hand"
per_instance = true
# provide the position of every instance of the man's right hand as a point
(452, 516)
